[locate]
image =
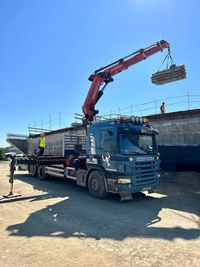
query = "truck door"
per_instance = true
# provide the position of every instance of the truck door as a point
(109, 148)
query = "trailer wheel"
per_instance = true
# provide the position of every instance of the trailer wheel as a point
(33, 170)
(41, 173)
(96, 185)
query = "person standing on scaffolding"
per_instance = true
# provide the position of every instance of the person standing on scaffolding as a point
(162, 107)
(42, 144)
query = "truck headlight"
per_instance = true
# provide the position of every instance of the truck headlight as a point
(124, 180)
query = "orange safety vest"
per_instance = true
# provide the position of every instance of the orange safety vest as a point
(162, 108)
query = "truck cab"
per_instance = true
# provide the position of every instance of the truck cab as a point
(123, 153)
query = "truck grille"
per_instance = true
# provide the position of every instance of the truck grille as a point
(145, 173)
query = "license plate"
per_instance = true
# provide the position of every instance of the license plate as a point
(146, 188)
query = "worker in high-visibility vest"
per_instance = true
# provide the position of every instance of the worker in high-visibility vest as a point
(162, 107)
(42, 144)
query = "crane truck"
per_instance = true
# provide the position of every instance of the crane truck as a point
(107, 156)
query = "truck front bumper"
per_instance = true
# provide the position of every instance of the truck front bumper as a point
(137, 186)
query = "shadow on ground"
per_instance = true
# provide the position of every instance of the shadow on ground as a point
(78, 214)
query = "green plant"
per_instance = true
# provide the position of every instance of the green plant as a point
(2, 153)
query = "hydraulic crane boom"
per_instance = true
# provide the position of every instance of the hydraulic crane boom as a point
(101, 77)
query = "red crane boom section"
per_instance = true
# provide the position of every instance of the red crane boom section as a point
(104, 75)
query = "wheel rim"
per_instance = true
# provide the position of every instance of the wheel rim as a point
(95, 185)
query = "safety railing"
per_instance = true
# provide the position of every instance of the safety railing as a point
(172, 104)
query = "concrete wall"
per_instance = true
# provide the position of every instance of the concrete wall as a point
(177, 128)
(180, 132)
(179, 139)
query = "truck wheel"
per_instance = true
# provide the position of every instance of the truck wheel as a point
(41, 173)
(33, 170)
(96, 185)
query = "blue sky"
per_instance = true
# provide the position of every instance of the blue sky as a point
(49, 48)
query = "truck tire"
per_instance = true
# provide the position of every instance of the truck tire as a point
(96, 185)
(33, 170)
(41, 172)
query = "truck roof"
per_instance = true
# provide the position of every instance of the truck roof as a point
(118, 124)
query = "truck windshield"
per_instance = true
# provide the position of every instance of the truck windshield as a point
(131, 143)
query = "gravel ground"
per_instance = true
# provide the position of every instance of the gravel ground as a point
(56, 223)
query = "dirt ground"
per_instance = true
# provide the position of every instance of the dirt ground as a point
(57, 223)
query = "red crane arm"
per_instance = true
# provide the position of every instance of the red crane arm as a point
(104, 75)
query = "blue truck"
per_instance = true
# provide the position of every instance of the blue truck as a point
(111, 156)
(121, 157)
(107, 156)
